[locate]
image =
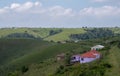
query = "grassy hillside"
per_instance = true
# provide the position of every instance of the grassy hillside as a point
(44, 32)
(10, 49)
(64, 35)
(5, 32)
(40, 57)
(16, 53)
(113, 58)
(110, 57)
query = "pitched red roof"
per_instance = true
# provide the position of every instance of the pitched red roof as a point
(90, 54)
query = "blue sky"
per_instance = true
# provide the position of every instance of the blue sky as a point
(59, 13)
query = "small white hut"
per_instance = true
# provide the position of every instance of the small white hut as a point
(97, 47)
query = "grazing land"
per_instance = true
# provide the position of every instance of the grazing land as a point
(38, 57)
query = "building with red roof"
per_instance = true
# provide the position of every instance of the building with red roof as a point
(86, 57)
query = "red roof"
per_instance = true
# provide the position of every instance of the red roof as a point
(94, 52)
(90, 54)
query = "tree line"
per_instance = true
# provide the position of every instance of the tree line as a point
(93, 34)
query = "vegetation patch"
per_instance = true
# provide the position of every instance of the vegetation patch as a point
(93, 34)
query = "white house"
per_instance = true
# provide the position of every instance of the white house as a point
(86, 57)
(97, 47)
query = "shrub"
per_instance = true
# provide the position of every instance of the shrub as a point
(24, 69)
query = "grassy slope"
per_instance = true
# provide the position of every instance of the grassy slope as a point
(44, 32)
(64, 35)
(11, 49)
(49, 67)
(45, 69)
(113, 58)
(5, 32)
(44, 53)
(20, 52)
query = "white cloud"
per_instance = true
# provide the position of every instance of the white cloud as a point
(60, 11)
(38, 4)
(36, 8)
(101, 11)
(15, 6)
(24, 7)
(2, 11)
(107, 1)
(99, 0)
(33, 13)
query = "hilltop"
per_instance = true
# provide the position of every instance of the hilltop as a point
(48, 34)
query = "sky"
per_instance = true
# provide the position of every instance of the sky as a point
(59, 13)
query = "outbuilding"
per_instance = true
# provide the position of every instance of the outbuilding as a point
(97, 47)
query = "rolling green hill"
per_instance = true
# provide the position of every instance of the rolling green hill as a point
(16, 53)
(35, 57)
(5, 32)
(44, 32)
(64, 35)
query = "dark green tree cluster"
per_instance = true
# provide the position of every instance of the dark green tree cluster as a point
(20, 35)
(93, 34)
(53, 32)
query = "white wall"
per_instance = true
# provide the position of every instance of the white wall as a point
(86, 60)
(77, 58)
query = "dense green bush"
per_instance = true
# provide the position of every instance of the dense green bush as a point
(24, 69)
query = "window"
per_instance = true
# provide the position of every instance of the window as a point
(73, 58)
(82, 59)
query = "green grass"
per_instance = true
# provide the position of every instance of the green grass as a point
(5, 32)
(64, 35)
(43, 53)
(37, 54)
(15, 53)
(113, 59)
(44, 32)
(116, 30)
(10, 49)
(45, 69)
